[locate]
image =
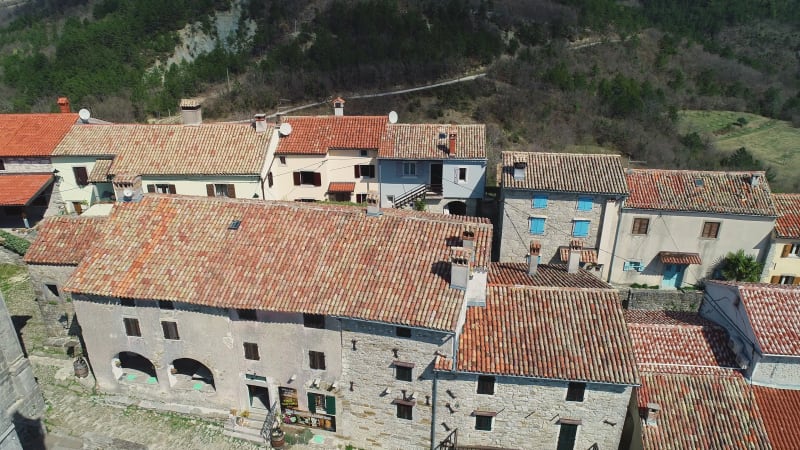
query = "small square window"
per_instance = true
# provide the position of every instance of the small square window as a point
(132, 327)
(282, 160)
(575, 392)
(402, 373)
(486, 385)
(251, 351)
(316, 360)
(247, 314)
(170, 330)
(127, 302)
(361, 198)
(409, 169)
(539, 201)
(580, 228)
(166, 304)
(483, 423)
(363, 153)
(640, 226)
(313, 321)
(405, 412)
(710, 230)
(53, 289)
(402, 332)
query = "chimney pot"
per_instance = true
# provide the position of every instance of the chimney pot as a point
(755, 178)
(451, 148)
(460, 267)
(261, 123)
(653, 411)
(373, 206)
(575, 252)
(191, 112)
(63, 105)
(468, 238)
(533, 257)
(519, 170)
(338, 106)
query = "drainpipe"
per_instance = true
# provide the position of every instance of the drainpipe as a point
(433, 409)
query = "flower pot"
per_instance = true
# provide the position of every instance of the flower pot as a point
(277, 439)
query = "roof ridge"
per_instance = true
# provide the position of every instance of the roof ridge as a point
(715, 172)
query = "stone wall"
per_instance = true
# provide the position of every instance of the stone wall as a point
(27, 165)
(659, 299)
(57, 309)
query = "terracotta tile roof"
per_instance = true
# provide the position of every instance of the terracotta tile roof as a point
(340, 186)
(566, 172)
(675, 342)
(516, 274)
(19, 189)
(588, 255)
(431, 141)
(442, 363)
(100, 171)
(556, 333)
(285, 256)
(64, 240)
(700, 191)
(33, 134)
(680, 258)
(701, 412)
(788, 223)
(780, 410)
(208, 149)
(315, 135)
(774, 313)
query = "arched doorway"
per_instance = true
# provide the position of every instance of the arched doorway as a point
(456, 208)
(190, 374)
(133, 368)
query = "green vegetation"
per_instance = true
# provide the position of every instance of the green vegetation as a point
(738, 266)
(16, 244)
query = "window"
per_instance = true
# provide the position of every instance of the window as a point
(585, 203)
(270, 179)
(790, 250)
(364, 171)
(307, 178)
(409, 169)
(390, 199)
(313, 321)
(461, 175)
(539, 201)
(221, 190)
(402, 373)
(402, 332)
(629, 266)
(710, 230)
(363, 153)
(483, 422)
(783, 279)
(247, 314)
(580, 228)
(132, 326)
(282, 160)
(127, 302)
(316, 360)
(53, 289)
(485, 385)
(575, 392)
(405, 411)
(170, 330)
(161, 188)
(566, 437)
(81, 177)
(321, 403)
(537, 225)
(164, 304)
(361, 198)
(251, 351)
(640, 226)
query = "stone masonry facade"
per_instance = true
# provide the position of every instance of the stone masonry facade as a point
(57, 310)
(27, 165)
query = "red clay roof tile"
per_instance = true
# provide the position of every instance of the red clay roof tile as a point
(64, 240)
(341, 186)
(788, 223)
(780, 409)
(774, 313)
(315, 135)
(33, 134)
(431, 141)
(19, 189)
(565, 172)
(513, 274)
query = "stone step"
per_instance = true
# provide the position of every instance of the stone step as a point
(243, 436)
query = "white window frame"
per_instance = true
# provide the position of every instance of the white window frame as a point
(409, 169)
(459, 179)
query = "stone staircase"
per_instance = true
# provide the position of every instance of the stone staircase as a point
(247, 428)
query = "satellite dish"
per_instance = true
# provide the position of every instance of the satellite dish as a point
(393, 117)
(84, 115)
(127, 193)
(285, 129)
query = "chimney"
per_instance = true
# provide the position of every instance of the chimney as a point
(460, 267)
(451, 147)
(191, 114)
(533, 257)
(261, 123)
(373, 206)
(519, 170)
(468, 239)
(575, 251)
(755, 178)
(338, 106)
(653, 411)
(63, 105)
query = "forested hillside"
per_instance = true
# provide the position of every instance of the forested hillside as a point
(562, 75)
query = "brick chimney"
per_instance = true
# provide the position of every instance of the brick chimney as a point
(575, 251)
(63, 105)
(653, 411)
(261, 123)
(451, 143)
(460, 267)
(519, 170)
(533, 257)
(468, 239)
(191, 112)
(338, 106)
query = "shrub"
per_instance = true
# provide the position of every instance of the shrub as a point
(16, 244)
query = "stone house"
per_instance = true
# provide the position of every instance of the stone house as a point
(763, 322)
(678, 225)
(121, 162)
(328, 314)
(783, 257)
(27, 142)
(556, 198)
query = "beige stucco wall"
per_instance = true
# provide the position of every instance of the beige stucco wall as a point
(779, 266)
(680, 232)
(68, 186)
(246, 185)
(336, 166)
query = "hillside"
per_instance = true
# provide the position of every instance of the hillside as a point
(560, 74)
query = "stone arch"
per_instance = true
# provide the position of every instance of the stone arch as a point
(456, 208)
(191, 374)
(131, 367)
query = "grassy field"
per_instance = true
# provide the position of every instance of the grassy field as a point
(776, 143)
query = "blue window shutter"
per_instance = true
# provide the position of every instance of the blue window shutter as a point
(626, 266)
(540, 201)
(580, 228)
(585, 203)
(537, 225)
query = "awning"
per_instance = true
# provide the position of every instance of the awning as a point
(20, 189)
(341, 187)
(100, 171)
(588, 255)
(679, 258)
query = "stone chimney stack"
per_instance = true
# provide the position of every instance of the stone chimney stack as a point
(755, 179)
(261, 123)
(653, 411)
(338, 106)
(519, 170)
(373, 204)
(575, 252)
(451, 143)
(191, 113)
(460, 267)
(533, 257)
(63, 105)
(468, 239)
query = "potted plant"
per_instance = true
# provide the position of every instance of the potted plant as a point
(277, 438)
